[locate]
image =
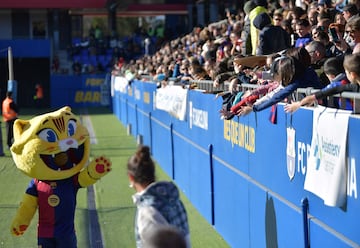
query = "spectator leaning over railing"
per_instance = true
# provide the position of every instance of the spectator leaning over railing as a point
(281, 72)
(239, 73)
(304, 77)
(334, 70)
(352, 70)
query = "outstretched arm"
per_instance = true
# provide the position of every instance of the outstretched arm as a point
(292, 107)
(97, 168)
(24, 215)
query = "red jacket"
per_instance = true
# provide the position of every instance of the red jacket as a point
(7, 112)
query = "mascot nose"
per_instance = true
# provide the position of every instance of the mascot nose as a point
(66, 144)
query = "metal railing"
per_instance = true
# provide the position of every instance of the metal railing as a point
(208, 87)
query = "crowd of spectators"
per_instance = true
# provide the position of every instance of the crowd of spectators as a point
(98, 51)
(308, 31)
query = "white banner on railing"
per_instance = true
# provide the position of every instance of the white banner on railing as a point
(120, 84)
(326, 168)
(172, 99)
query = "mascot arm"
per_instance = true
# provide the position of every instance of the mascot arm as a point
(97, 168)
(24, 214)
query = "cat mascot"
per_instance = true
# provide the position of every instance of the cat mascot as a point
(53, 149)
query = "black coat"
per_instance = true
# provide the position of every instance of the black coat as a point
(272, 39)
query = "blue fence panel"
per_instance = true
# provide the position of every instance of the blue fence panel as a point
(124, 107)
(162, 135)
(235, 172)
(147, 110)
(131, 111)
(192, 173)
(116, 104)
(283, 225)
(231, 205)
(320, 237)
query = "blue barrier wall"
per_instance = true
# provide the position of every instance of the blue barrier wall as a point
(235, 172)
(86, 90)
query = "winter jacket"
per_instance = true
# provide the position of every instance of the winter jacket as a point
(159, 204)
(254, 32)
(338, 101)
(267, 43)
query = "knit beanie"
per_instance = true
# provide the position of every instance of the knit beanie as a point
(261, 3)
(249, 6)
(261, 20)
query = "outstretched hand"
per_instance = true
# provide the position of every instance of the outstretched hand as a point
(292, 107)
(244, 110)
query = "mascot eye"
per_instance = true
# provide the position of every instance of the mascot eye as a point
(71, 127)
(48, 135)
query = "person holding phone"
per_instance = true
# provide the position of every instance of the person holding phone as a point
(353, 29)
(327, 38)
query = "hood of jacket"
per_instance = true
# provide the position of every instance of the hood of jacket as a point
(158, 194)
(262, 20)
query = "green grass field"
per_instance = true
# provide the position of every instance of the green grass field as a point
(113, 195)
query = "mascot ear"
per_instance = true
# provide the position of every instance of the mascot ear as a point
(18, 130)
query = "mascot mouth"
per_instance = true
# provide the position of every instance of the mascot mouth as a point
(64, 160)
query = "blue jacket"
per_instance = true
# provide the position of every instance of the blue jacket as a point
(303, 41)
(337, 81)
(308, 79)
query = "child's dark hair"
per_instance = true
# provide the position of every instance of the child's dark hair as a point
(352, 63)
(333, 66)
(284, 68)
(302, 60)
(141, 166)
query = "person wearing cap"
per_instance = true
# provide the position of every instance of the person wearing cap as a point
(267, 44)
(245, 34)
(261, 7)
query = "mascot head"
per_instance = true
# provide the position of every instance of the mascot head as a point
(51, 146)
